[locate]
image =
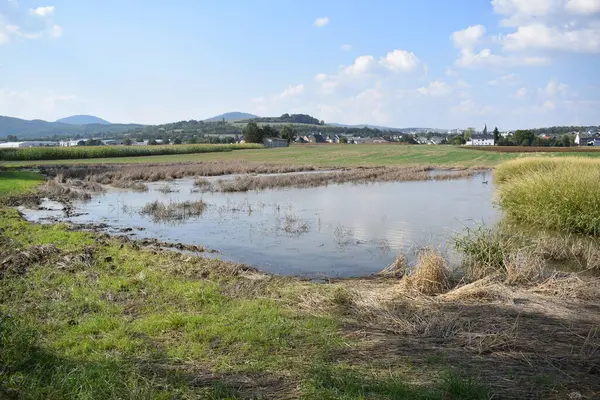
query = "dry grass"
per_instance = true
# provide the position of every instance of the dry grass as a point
(173, 212)
(431, 275)
(356, 175)
(396, 269)
(61, 192)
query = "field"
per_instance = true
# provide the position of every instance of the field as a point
(61, 153)
(322, 155)
(533, 149)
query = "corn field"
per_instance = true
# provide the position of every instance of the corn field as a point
(65, 153)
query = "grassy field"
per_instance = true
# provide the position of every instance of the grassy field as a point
(330, 155)
(18, 183)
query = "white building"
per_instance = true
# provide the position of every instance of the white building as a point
(71, 143)
(481, 140)
(31, 143)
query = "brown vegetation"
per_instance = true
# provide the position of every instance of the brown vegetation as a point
(533, 149)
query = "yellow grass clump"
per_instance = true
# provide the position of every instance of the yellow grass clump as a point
(431, 275)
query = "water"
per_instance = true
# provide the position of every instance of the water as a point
(336, 231)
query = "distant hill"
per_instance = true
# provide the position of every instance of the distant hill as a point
(83, 120)
(232, 116)
(38, 129)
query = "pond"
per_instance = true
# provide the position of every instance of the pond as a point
(333, 231)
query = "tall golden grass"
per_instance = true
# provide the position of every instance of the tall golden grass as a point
(553, 193)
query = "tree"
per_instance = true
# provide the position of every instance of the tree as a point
(496, 135)
(127, 142)
(252, 133)
(12, 138)
(176, 141)
(484, 130)
(152, 142)
(468, 134)
(268, 131)
(289, 132)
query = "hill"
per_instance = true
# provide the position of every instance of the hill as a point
(38, 129)
(232, 116)
(83, 120)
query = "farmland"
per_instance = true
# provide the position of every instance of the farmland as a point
(323, 155)
(82, 152)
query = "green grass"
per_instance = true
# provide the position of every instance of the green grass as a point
(556, 194)
(61, 153)
(18, 183)
(332, 155)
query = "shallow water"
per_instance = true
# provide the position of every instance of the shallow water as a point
(336, 231)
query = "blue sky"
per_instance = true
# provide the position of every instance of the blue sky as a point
(448, 64)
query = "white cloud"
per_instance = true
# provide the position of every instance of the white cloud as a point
(320, 77)
(508, 79)
(585, 7)
(469, 37)
(43, 11)
(435, 89)
(292, 91)
(361, 66)
(521, 93)
(329, 87)
(554, 88)
(30, 25)
(346, 47)
(485, 58)
(540, 36)
(400, 61)
(321, 21)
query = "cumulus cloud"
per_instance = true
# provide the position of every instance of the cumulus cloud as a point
(469, 37)
(320, 77)
(561, 25)
(346, 47)
(361, 66)
(36, 23)
(435, 89)
(586, 7)
(400, 61)
(292, 91)
(47, 11)
(543, 37)
(321, 21)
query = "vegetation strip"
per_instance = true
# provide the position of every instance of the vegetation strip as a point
(78, 152)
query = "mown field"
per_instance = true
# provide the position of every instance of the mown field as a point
(326, 156)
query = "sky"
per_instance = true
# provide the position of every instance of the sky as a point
(401, 63)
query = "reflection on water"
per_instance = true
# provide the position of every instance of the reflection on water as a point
(337, 230)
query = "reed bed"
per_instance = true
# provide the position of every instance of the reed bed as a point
(110, 173)
(556, 194)
(358, 175)
(64, 153)
(173, 212)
